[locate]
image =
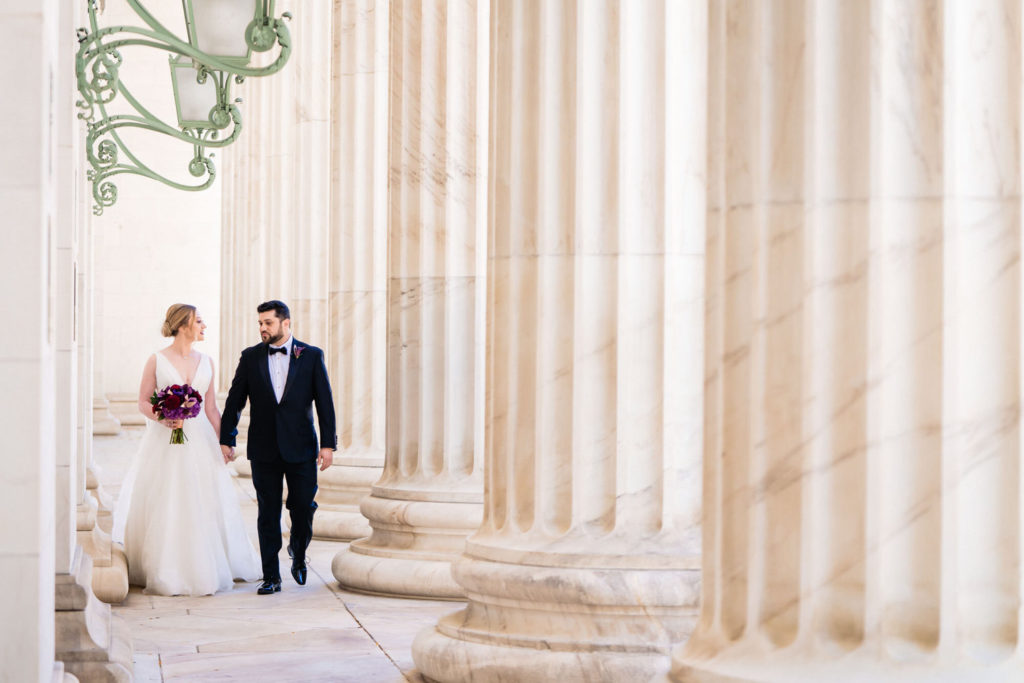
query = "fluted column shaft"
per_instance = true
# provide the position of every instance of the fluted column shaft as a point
(358, 269)
(107, 567)
(306, 220)
(586, 564)
(248, 276)
(103, 420)
(305, 212)
(38, 412)
(429, 496)
(91, 507)
(276, 197)
(91, 643)
(862, 462)
(265, 225)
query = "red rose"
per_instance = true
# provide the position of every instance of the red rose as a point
(172, 402)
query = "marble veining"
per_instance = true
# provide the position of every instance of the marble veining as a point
(429, 496)
(862, 485)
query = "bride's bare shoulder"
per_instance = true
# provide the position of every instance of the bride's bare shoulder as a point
(149, 369)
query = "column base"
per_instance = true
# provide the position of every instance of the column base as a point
(537, 621)
(241, 464)
(125, 408)
(108, 561)
(93, 644)
(340, 523)
(369, 570)
(443, 659)
(104, 502)
(85, 514)
(746, 663)
(110, 583)
(413, 544)
(342, 488)
(103, 421)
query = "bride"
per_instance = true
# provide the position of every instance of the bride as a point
(178, 514)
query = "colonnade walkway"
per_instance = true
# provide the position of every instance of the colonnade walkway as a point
(316, 632)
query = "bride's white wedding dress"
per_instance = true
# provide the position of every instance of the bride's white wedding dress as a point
(178, 513)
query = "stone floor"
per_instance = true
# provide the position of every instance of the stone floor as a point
(316, 632)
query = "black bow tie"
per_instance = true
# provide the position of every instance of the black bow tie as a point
(280, 349)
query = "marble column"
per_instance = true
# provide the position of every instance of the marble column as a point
(429, 498)
(84, 631)
(862, 461)
(85, 322)
(68, 246)
(236, 305)
(27, 410)
(259, 209)
(586, 566)
(241, 258)
(89, 506)
(104, 423)
(107, 565)
(358, 269)
(93, 644)
(304, 213)
(309, 228)
(38, 554)
(276, 202)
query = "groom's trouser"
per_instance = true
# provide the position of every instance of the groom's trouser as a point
(266, 479)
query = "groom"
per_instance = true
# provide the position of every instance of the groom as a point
(282, 378)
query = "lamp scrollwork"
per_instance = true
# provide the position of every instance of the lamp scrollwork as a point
(203, 66)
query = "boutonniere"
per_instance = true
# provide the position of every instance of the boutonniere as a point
(297, 350)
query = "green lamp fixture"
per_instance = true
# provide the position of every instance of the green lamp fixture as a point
(222, 35)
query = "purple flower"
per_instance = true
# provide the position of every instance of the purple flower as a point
(176, 402)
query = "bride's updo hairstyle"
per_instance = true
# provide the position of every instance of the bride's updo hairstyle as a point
(178, 315)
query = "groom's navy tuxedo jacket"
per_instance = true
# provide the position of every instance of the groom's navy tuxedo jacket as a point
(284, 428)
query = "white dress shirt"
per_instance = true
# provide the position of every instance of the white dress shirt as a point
(279, 367)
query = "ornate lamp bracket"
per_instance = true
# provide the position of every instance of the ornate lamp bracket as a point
(98, 70)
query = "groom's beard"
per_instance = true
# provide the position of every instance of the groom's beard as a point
(276, 340)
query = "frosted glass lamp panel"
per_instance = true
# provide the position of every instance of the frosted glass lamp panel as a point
(195, 100)
(219, 26)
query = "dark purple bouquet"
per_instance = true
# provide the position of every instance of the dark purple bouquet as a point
(176, 402)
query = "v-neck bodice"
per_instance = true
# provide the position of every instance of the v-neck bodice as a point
(167, 373)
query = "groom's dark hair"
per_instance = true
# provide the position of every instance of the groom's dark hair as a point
(280, 308)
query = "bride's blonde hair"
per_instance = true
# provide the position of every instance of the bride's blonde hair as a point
(178, 315)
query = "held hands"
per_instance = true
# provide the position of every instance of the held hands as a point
(173, 424)
(324, 458)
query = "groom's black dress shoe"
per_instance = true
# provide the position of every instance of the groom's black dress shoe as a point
(291, 554)
(269, 586)
(299, 572)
